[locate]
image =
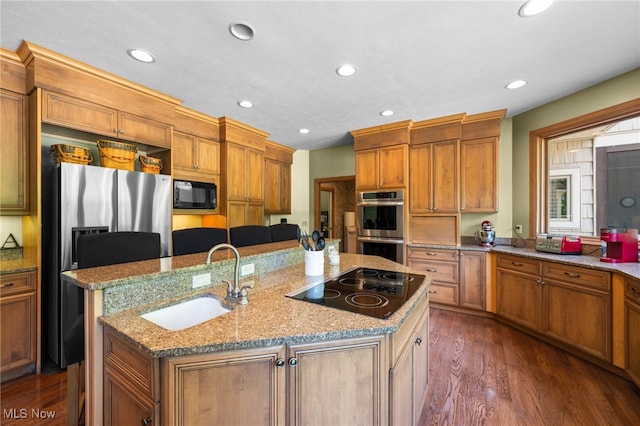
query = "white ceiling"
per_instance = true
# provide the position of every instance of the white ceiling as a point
(422, 59)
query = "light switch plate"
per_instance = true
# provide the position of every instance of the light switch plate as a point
(201, 280)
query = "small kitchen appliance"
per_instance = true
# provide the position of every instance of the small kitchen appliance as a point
(619, 245)
(559, 244)
(372, 292)
(485, 236)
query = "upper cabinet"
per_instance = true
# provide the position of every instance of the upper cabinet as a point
(196, 147)
(74, 113)
(14, 150)
(277, 178)
(479, 162)
(242, 165)
(382, 156)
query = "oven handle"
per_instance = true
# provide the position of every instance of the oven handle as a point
(381, 240)
(380, 203)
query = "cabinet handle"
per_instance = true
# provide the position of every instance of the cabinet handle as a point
(572, 275)
(517, 263)
(6, 285)
(431, 270)
(430, 253)
(293, 362)
(433, 291)
(419, 341)
(633, 290)
(280, 363)
(146, 421)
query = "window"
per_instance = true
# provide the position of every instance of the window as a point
(587, 171)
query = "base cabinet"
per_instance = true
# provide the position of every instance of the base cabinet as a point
(632, 329)
(571, 305)
(18, 325)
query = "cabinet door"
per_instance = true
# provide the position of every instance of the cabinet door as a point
(244, 387)
(632, 334)
(255, 175)
(479, 175)
(74, 113)
(519, 298)
(18, 333)
(285, 191)
(254, 213)
(472, 280)
(445, 176)
(367, 176)
(183, 152)
(272, 185)
(420, 367)
(421, 196)
(392, 163)
(580, 317)
(14, 153)
(236, 213)
(143, 130)
(235, 176)
(208, 156)
(326, 389)
(401, 403)
(122, 406)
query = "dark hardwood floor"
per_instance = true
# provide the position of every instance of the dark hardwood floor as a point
(481, 373)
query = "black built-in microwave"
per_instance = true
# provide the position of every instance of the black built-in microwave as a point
(194, 195)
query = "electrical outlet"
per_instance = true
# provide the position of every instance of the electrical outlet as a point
(247, 269)
(201, 280)
(518, 229)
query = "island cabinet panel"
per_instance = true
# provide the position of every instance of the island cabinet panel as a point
(341, 382)
(79, 114)
(568, 304)
(632, 329)
(14, 153)
(18, 324)
(245, 387)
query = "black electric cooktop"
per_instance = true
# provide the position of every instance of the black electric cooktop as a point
(365, 291)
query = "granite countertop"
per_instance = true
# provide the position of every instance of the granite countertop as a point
(269, 319)
(11, 266)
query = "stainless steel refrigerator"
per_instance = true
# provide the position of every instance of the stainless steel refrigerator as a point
(90, 199)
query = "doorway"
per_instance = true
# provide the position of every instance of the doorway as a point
(332, 197)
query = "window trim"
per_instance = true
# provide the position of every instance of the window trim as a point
(538, 169)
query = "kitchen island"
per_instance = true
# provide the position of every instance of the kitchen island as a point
(275, 360)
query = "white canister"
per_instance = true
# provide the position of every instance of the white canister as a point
(314, 263)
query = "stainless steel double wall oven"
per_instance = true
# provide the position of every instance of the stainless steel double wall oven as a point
(381, 224)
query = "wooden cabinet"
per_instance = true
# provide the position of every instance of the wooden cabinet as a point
(571, 305)
(80, 114)
(340, 382)
(244, 174)
(434, 177)
(19, 324)
(14, 153)
(195, 158)
(382, 156)
(472, 269)
(381, 168)
(409, 374)
(131, 384)
(442, 266)
(479, 162)
(632, 329)
(277, 179)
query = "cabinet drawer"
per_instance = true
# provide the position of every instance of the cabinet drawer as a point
(576, 275)
(17, 283)
(432, 254)
(520, 264)
(446, 272)
(444, 293)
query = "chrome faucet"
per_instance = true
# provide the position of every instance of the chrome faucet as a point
(234, 292)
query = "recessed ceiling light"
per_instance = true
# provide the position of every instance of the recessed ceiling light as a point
(533, 7)
(386, 113)
(303, 131)
(245, 104)
(241, 31)
(346, 70)
(516, 84)
(141, 55)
